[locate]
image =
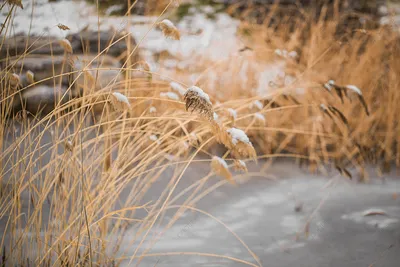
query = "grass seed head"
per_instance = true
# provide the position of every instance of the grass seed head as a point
(236, 141)
(219, 166)
(120, 101)
(18, 3)
(198, 101)
(30, 76)
(63, 27)
(66, 45)
(69, 146)
(169, 29)
(240, 165)
(14, 79)
(232, 114)
(152, 110)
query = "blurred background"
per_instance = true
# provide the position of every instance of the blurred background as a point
(199, 133)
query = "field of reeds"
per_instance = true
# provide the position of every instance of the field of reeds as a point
(76, 173)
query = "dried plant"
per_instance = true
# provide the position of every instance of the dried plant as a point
(169, 29)
(240, 165)
(66, 44)
(18, 3)
(220, 167)
(63, 27)
(198, 101)
(14, 80)
(120, 101)
(30, 76)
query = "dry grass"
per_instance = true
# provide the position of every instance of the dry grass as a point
(75, 177)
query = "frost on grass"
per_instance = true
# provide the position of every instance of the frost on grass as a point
(220, 167)
(200, 93)
(153, 137)
(293, 54)
(215, 117)
(354, 89)
(170, 95)
(360, 96)
(198, 101)
(257, 104)
(240, 165)
(121, 98)
(259, 117)
(232, 113)
(238, 135)
(152, 110)
(285, 54)
(169, 29)
(177, 88)
(120, 101)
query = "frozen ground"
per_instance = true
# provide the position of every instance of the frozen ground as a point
(342, 232)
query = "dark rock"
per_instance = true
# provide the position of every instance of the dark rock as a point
(47, 69)
(90, 40)
(18, 45)
(41, 99)
(104, 71)
(44, 68)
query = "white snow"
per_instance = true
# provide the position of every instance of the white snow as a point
(153, 137)
(354, 89)
(323, 107)
(221, 161)
(260, 116)
(233, 113)
(177, 87)
(170, 95)
(121, 98)
(200, 93)
(185, 145)
(215, 116)
(258, 104)
(242, 163)
(238, 135)
(293, 54)
(167, 23)
(278, 52)
(328, 86)
(193, 136)
(152, 110)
